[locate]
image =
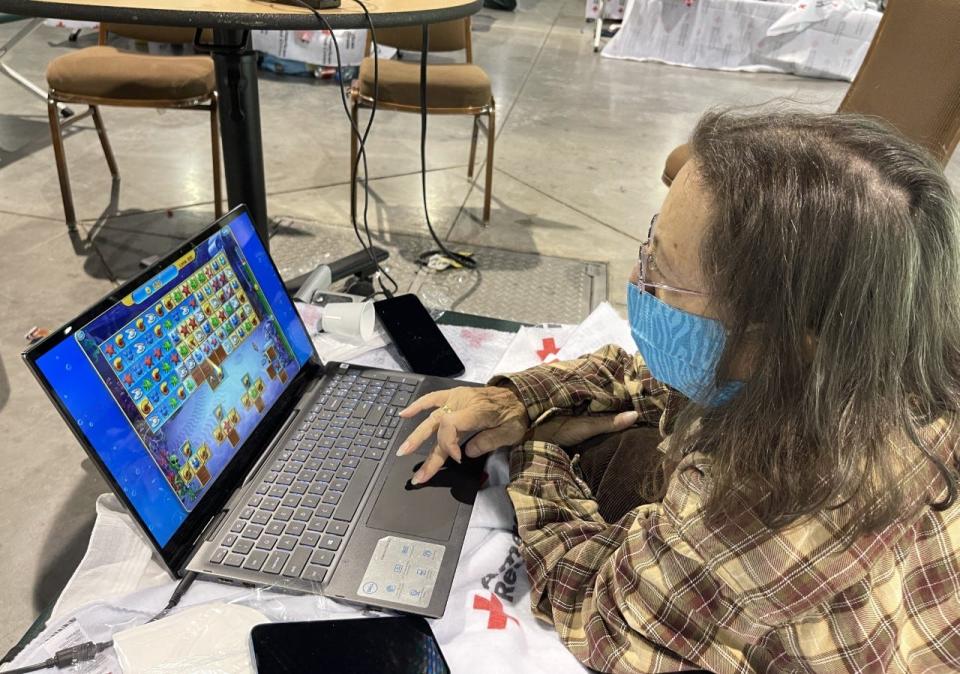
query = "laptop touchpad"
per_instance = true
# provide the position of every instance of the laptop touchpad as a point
(427, 510)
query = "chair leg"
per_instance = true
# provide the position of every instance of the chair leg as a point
(354, 151)
(473, 145)
(105, 142)
(56, 136)
(491, 138)
(215, 144)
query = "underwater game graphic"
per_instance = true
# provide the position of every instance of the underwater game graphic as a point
(193, 358)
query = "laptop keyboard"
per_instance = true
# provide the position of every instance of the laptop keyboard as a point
(295, 524)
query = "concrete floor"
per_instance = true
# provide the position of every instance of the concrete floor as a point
(580, 147)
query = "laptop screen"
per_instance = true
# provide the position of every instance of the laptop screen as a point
(168, 382)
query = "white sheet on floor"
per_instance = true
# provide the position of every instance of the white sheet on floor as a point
(487, 627)
(733, 35)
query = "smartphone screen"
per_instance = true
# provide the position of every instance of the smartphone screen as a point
(417, 336)
(404, 645)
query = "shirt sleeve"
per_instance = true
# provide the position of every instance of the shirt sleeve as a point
(608, 380)
(628, 596)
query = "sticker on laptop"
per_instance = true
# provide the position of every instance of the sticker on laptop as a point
(402, 570)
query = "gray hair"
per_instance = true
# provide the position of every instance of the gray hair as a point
(833, 257)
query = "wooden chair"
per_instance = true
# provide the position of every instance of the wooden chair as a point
(104, 75)
(452, 89)
(910, 77)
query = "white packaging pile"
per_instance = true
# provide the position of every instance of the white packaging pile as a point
(813, 38)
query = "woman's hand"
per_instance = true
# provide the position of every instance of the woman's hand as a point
(496, 412)
(571, 431)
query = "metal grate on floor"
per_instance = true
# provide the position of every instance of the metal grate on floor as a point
(509, 285)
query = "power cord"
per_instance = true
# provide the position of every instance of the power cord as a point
(367, 244)
(68, 657)
(464, 260)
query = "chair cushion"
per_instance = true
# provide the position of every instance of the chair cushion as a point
(454, 85)
(675, 161)
(106, 72)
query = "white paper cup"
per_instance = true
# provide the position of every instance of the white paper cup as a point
(349, 319)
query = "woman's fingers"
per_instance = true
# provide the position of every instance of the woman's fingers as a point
(430, 467)
(419, 435)
(435, 399)
(448, 436)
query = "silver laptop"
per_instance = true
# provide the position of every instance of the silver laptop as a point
(196, 390)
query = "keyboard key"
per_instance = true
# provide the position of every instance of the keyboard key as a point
(275, 563)
(299, 488)
(285, 479)
(356, 450)
(376, 413)
(350, 462)
(218, 555)
(308, 475)
(331, 465)
(229, 540)
(313, 464)
(270, 504)
(291, 501)
(311, 501)
(243, 546)
(255, 560)
(375, 454)
(252, 531)
(345, 473)
(310, 539)
(238, 526)
(262, 489)
(301, 455)
(331, 498)
(322, 557)
(270, 477)
(266, 542)
(324, 510)
(317, 525)
(233, 560)
(342, 445)
(317, 489)
(286, 543)
(283, 514)
(337, 454)
(291, 467)
(338, 485)
(303, 514)
(278, 491)
(338, 528)
(295, 528)
(379, 444)
(274, 528)
(325, 475)
(296, 563)
(358, 486)
(247, 513)
(255, 501)
(328, 542)
(314, 573)
(261, 517)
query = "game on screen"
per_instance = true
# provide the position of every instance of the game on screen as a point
(194, 358)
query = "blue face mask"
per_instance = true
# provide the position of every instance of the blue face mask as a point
(681, 349)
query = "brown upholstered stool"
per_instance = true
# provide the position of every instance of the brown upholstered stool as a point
(452, 89)
(104, 75)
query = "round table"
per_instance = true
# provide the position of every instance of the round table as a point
(236, 62)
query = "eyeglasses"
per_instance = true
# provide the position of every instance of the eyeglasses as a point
(648, 262)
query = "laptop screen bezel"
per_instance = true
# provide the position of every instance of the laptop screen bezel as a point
(177, 551)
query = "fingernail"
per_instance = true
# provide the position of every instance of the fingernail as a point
(402, 449)
(415, 479)
(629, 417)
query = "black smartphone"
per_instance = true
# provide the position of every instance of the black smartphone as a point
(417, 336)
(402, 645)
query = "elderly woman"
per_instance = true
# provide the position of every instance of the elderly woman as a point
(796, 308)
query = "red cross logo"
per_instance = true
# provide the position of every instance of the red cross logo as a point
(549, 349)
(497, 619)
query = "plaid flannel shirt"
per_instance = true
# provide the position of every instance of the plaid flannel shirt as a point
(661, 591)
